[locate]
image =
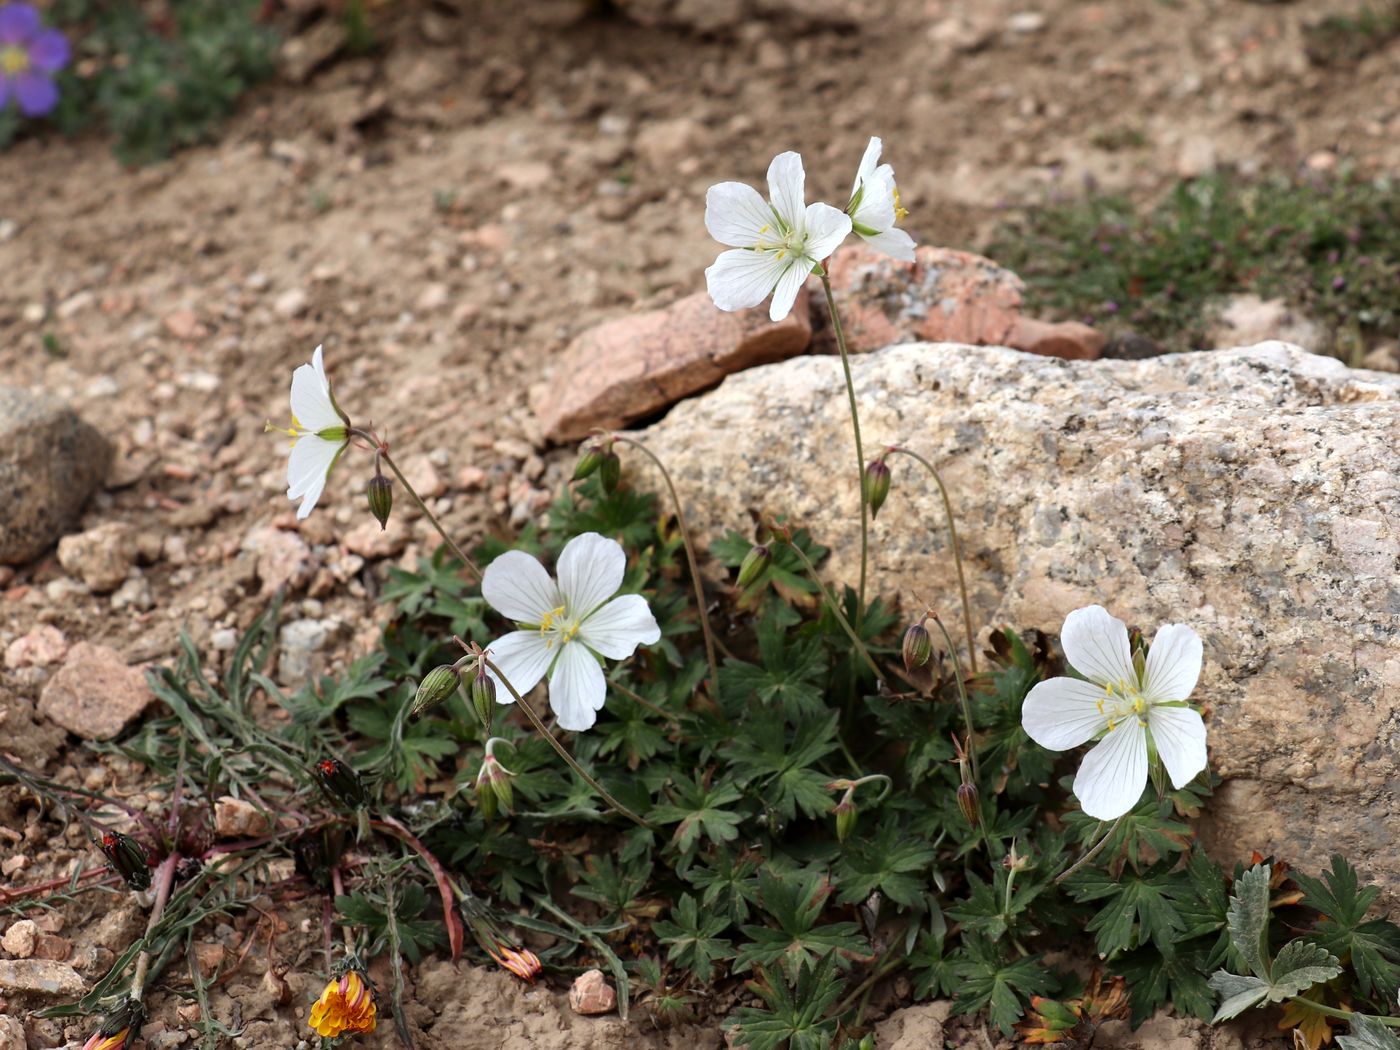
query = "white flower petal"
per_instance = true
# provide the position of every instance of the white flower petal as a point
(826, 229)
(577, 688)
(789, 284)
(738, 215)
(308, 466)
(1061, 713)
(619, 627)
(590, 570)
(739, 278)
(1111, 778)
(523, 657)
(1173, 664)
(1096, 645)
(311, 397)
(876, 210)
(787, 188)
(1180, 735)
(893, 242)
(868, 161)
(518, 588)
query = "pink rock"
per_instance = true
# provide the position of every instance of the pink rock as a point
(40, 647)
(284, 559)
(95, 694)
(236, 818)
(634, 366)
(183, 324)
(944, 296)
(369, 540)
(591, 994)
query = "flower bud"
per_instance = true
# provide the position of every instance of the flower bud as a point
(340, 783)
(610, 470)
(590, 461)
(918, 647)
(118, 1027)
(754, 565)
(846, 813)
(484, 696)
(493, 788)
(381, 498)
(969, 803)
(437, 685)
(877, 484)
(128, 858)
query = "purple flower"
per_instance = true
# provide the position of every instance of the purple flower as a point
(29, 56)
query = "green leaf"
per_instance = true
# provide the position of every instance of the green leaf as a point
(694, 942)
(1000, 987)
(1141, 907)
(1248, 920)
(1298, 966)
(794, 1016)
(891, 862)
(790, 675)
(698, 809)
(778, 766)
(795, 901)
(1174, 975)
(1368, 1034)
(1373, 947)
(1237, 994)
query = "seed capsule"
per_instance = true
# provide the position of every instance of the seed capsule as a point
(341, 784)
(380, 494)
(589, 461)
(128, 857)
(754, 565)
(877, 484)
(610, 470)
(918, 647)
(846, 814)
(484, 696)
(437, 685)
(968, 802)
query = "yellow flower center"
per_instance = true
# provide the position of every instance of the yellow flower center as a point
(556, 627)
(1122, 701)
(787, 242)
(899, 210)
(14, 60)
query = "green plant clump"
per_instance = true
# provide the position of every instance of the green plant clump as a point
(1329, 246)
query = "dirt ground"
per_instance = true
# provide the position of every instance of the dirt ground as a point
(446, 213)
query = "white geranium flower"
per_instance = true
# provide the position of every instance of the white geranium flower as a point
(320, 432)
(776, 243)
(874, 206)
(1122, 708)
(566, 626)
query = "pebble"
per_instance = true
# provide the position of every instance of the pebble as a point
(225, 640)
(11, 1032)
(236, 818)
(40, 977)
(42, 646)
(368, 540)
(591, 994)
(134, 593)
(291, 303)
(101, 557)
(21, 938)
(183, 324)
(300, 640)
(95, 694)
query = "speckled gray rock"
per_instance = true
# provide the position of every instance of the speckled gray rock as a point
(1253, 493)
(50, 462)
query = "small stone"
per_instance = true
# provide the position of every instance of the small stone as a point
(134, 593)
(11, 1032)
(591, 994)
(50, 462)
(299, 640)
(208, 957)
(101, 557)
(21, 938)
(236, 818)
(433, 297)
(1245, 320)
(95, 694)
(423, 476)
(42, 646)
(666, 144)
(284, 559)
(183, 324)
(525, 175)
(203, 382)
(368, 540)
(225, 640)
(291, 303)
(1382, 359)
(636, 365)
(40, 977)
(1026, 22)
(51, 946)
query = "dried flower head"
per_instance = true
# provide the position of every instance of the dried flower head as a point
(520, 961)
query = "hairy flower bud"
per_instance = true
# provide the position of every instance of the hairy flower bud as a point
(918, 647)
(437, 685)
(128, 857)
(877, 484)
(610, 470)
(380, 494)
(484, 696)
(754, 565)
(340, 783)
(846, 814)
(589, 461)
(969, 802)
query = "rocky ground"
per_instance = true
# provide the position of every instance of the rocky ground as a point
(445, 215)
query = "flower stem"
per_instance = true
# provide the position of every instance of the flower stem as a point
(957, 552)
(1093, 852)
(573, 764)
(383, 451)
(836, 610)
(689, 557)
(966, 703)
(165, 879)
(1348, 1015)
(855, 428)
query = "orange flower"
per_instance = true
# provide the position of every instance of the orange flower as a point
(520, 961)
(347, 1005)
(98, 1041)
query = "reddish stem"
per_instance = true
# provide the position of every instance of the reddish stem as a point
(444, 884)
